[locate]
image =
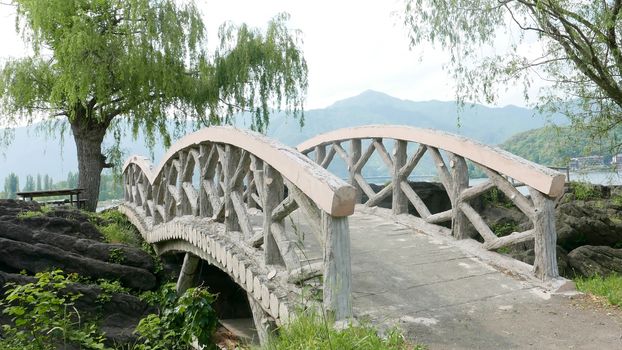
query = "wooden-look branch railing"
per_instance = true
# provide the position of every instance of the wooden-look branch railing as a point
(238, 170)
(545, 185)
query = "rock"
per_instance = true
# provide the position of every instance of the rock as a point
(97, 250)
(41, 257)
(595, 260)
(579, 223)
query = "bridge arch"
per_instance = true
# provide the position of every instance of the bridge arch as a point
(224, 195)
(449, 154)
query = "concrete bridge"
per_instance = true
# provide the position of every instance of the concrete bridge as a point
(289, 233)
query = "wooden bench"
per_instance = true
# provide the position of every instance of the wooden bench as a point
(71, 192)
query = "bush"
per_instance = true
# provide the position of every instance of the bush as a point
(180, 320)
(44, 316)
(584, 191)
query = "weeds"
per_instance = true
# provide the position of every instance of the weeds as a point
(609, 287)
(310, 330)
(116, 228)
(29, 214)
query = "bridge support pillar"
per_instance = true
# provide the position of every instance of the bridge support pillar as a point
(188, 273)
(264, 324)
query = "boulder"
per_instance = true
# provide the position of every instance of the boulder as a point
(582, 223)
(595, 260)
(41, 257)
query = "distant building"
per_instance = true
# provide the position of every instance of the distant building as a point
(617, 161)
(590, 162)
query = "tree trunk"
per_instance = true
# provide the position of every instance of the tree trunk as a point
(89, 134)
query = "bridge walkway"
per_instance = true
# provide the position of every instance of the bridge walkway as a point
(445, 297)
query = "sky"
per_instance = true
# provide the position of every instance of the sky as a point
(350, 46)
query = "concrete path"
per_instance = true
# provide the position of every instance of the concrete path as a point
(444, 298)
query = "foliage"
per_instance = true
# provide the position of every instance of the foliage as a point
(495, 197)
(180, 320)
(108, 288)
(111, 64)
(584, 191)
(11, 186)
(44, 316)
(30, 184)
(609, 287)
(504, 228)
(555, 145)
(116, 255)
(311, 331)
(576, 44)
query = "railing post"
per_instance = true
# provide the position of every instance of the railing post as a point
(337, 269)
(127, 189)
(230, 164)
(460, 180)
(400, 201)
(320, 153)
(355, 155)
(273, 195)
(545, 239)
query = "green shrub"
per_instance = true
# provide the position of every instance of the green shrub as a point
(609, 287)
(108, 288)
(116, 256)
(584, 191)
(44, 316)
(504, 228)
(180, 320)
(311, 331)
(496, 198)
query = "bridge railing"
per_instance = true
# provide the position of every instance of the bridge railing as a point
(449, 154)
(234, 177)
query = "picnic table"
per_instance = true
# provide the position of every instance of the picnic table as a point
(71, 192)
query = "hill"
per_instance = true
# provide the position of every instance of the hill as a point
(554, 146)
(32, 153)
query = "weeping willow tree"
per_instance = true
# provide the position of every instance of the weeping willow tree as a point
(576, 49)
(102, 65)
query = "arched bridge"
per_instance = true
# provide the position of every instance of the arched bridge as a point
(276, 220)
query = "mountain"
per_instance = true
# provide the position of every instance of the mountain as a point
(486, 124)
(32, 153)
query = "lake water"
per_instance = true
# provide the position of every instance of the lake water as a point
(599, 177)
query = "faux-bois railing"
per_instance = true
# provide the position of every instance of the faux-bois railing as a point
(450, 154)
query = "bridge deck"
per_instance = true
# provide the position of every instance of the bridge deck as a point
(441, 296)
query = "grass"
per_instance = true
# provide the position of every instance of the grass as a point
(116, 228)
(43, 211)
(609, 287)
(311, 331)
